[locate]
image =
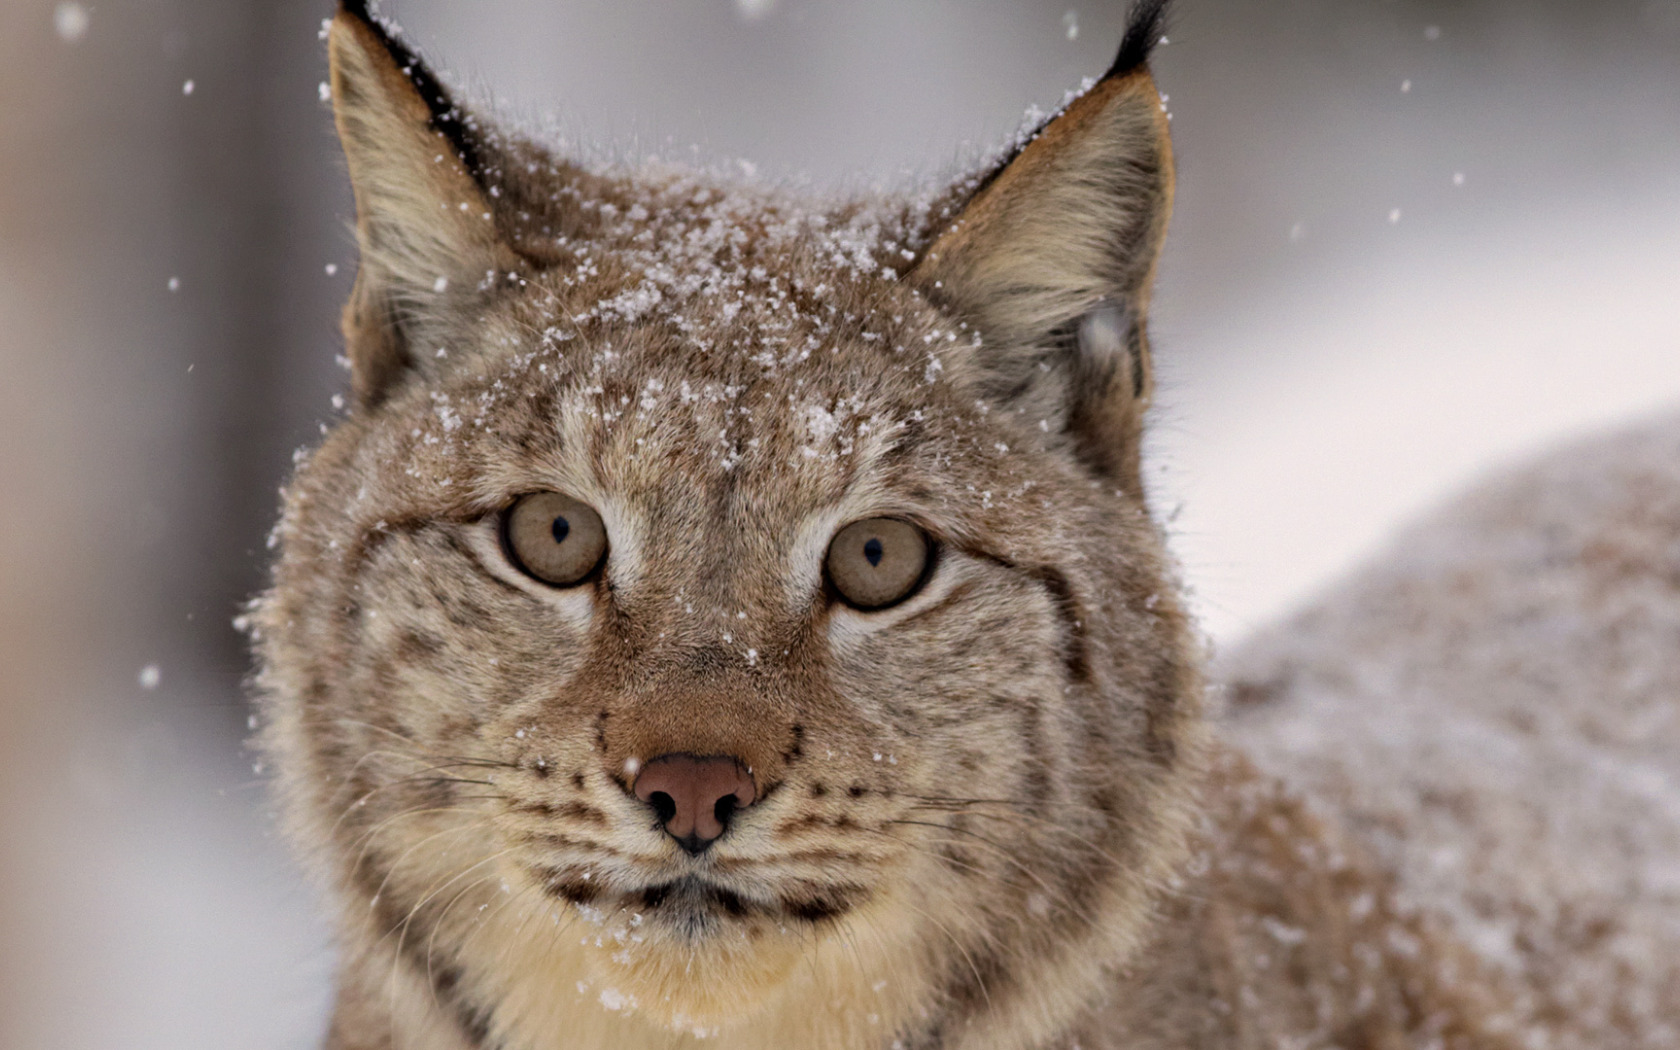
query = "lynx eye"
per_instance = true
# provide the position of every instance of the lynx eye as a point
(877, 562)
(554, 538)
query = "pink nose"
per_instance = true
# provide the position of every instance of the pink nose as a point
(695, 797)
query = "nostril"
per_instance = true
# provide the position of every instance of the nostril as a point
(664, 806)
(725, 809)
(694, 796)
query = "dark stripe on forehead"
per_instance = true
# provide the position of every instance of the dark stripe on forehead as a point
(540, 416)
(912, 433)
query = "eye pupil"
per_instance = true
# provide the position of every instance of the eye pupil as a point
(553, 538)
(877, 562)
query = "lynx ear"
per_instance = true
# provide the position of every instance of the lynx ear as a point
(1052, 257)
(423, 221)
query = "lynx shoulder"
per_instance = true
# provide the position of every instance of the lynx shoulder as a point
(726, 616)
(1493, 708)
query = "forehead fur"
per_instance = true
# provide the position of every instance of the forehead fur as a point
(760, 344)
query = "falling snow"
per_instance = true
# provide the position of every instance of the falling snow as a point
(754, 10)
(71, 22)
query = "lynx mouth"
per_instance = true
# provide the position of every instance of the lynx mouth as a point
(695, 905)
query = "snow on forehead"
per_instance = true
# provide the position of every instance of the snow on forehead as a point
(736, 282)
(695, 252)
(677, 295)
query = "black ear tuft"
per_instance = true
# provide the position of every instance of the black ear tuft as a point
(448, 118)
(1143, 32)
(1052, 258)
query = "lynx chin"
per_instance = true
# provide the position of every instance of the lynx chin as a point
(724, 616)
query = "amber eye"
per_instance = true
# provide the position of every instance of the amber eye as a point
(554, 538)
(877, 562)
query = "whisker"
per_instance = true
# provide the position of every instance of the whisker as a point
(922, 848)
(402, 928)
(567, 915)
(420, 777)
(364, 841)
(387, 785)
(1041, 824)
(974, 967)
(405, 740)
(1002, 852)
(442, 918)
(397, 863)
(1086, 912)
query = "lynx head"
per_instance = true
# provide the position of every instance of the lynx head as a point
(725, 612)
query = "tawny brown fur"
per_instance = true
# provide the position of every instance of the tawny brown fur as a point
(1492, 709)
(990, 817)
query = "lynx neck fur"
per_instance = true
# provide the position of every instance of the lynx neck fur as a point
(730, 619)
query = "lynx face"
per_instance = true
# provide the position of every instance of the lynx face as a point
(720, 611)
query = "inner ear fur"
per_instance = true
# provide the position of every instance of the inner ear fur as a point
(423, 222)
(1073, 222)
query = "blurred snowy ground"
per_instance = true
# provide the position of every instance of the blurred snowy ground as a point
(1346, 331)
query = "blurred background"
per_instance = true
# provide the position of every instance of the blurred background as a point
(1415, 239)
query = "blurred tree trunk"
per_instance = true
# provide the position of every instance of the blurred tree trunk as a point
(149, 314)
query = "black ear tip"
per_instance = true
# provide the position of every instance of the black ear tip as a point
(1143, 31)
(447, 117)
(389, 37)
(367, 13)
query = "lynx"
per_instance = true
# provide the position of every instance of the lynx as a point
(728, 616)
